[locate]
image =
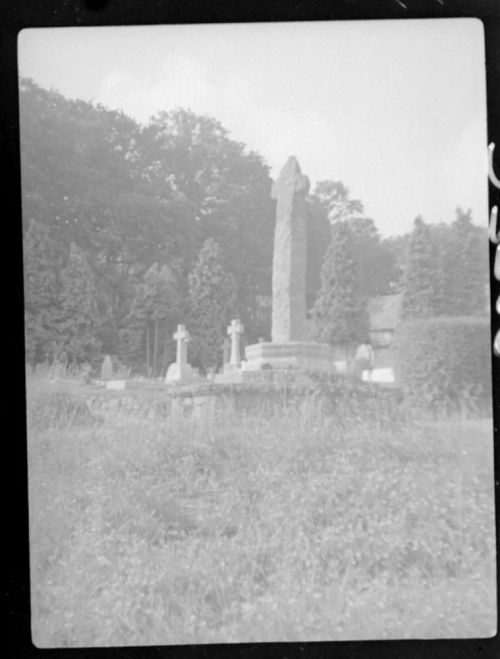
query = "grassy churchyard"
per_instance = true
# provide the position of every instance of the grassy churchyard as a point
(294, 526)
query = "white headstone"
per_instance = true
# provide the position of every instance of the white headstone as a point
(383, 375)
(115, 384)
(234, 330)
(181, 371)
(182, 337)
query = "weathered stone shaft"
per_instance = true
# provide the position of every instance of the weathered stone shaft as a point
(289, 258)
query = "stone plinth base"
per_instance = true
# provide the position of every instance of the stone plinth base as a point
(181, 374)
(230, 373)
(115, 384)
(232, 376)
(303, 355)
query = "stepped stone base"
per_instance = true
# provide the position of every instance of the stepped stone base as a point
(181, 374)
(303, 355)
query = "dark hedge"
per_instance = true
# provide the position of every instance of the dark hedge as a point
(444, 359)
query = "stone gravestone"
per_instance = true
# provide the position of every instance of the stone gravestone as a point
(235, 330)
(107, 368)
(289, 346)
(232, 368)
(180, 371)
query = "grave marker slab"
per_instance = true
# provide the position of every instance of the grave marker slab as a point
(235, 330)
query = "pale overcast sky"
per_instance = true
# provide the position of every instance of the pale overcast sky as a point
(394, 109)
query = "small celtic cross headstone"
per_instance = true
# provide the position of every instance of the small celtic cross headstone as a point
(182, 337)
(235, 330)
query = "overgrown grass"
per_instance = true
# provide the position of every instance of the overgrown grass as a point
(294, 527)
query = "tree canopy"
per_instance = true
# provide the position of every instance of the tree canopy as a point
(131, 229)
(128, 197)
(340, 312)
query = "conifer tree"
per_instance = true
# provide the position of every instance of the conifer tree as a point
(466, 268)
(155, 310)
(133, 333)
(78, 323)
(162, 303)
(211, 302)
(340, 312)
(40, 293)
(422, 284)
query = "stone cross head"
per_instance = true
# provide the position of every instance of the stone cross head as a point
(235, 327)
(182, 334)
(290, 182)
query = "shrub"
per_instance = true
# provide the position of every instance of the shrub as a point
(58, 410)
(444, 360)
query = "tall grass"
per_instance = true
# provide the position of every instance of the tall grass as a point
(295, 526)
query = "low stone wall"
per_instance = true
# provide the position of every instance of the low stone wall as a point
(212, 399)
(148, 407)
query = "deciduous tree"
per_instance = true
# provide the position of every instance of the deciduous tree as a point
(78, 320)
(41, 291)
(423, 283)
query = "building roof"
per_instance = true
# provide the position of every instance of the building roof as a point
(384, 311)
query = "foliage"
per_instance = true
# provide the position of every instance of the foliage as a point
(57, 410)
(318, 233)
(422, 287)
(466, 268)
(340, 312)
(131, 196)
(377, 267)
(155, 310)
(162, 307)
(442, 359)
(376, 263)
(294, 527)
(41, 293)
(211, 303)
(333, 196)
(460, 254)
(228, 191)
(397, 248)
(78, 319)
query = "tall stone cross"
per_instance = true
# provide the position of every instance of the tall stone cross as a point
(234, 330)
(182, 337)
(289, 258)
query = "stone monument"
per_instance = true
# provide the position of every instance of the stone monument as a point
(235, 330)
(231, 369)
(107, 369)
(180, 371)
(289, 346)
